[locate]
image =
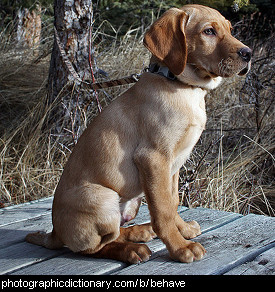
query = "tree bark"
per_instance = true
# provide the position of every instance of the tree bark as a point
(72, 22)
(29, 27)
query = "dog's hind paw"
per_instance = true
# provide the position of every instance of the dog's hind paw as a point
(138, 233)
(137, 253)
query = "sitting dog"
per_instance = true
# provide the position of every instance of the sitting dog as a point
(136, 146)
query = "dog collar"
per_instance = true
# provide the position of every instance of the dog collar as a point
(163, 71)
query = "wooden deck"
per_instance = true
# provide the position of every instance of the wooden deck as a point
(235, 244)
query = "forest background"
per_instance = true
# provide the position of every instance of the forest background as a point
(232, 167)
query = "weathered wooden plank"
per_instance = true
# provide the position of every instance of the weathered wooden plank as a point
(77, 264)
(226, 250)
(72, 264)
(143, 215)
(207, 218)
(23, 254)
(45, 262)
(263, 264)
(227, 247)
(16, 232)
(25, 211)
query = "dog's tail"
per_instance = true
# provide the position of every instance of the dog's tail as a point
(48, 240)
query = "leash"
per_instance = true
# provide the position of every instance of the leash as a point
(117, 82)
(98, 85)
(153, 68)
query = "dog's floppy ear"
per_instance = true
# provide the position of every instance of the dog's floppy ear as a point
(166, 40)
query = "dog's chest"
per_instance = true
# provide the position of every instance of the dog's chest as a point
(193, 123)
(186, 145)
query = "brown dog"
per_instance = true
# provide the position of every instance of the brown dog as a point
(138, 143)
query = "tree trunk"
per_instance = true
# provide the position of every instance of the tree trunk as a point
(29, 27)
(69, 64)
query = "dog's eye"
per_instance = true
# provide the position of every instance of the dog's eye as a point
(210, 31)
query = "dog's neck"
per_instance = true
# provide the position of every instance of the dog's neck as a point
(191, 75)
(194, 77)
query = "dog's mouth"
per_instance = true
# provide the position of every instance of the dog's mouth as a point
(229, 67)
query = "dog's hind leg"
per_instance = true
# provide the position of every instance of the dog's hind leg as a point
(128, 252)
(124, 247)
(136, 233)
(48, 240)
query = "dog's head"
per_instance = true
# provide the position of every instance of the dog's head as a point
(195, 42)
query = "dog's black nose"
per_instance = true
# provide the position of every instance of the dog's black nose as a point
(245, 54)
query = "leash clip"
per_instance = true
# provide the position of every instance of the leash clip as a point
(135, 77)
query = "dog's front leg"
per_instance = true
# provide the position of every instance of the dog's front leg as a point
(156, 180)
(189, 229)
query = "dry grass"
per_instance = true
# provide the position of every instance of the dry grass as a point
(240, 180)
(231, 167)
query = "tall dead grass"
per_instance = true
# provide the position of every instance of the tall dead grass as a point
(231, 167)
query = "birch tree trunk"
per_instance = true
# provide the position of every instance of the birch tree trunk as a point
(72, 22)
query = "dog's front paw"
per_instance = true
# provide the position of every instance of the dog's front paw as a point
(189, 229)
(189, 253)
